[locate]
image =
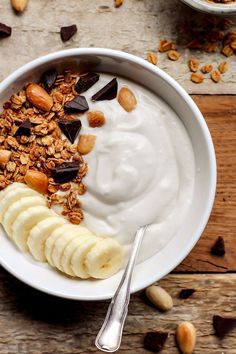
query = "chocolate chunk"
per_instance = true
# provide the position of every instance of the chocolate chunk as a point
(154, 341)
(24, 128)
(218, 249)
(223, 325)
(86, 81)
(186, 293)
(67, 32)
(5, 31)
(49, 78)
(71, 129)
(77, 105)
(65, 172)
(108, 92)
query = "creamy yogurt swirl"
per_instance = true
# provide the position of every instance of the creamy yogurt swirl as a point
(141, 170)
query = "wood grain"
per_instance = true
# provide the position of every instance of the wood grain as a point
(32, 322)
(136, 27)
(220, 115)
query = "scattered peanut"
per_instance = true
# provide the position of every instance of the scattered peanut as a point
(19, 5)
(118, 3)
(165, 46)
(193, 64)
(39, 97)
(197, 78)
(227, 51)
(37, 180)
(186, 337)
(152, 58)
(86, 144)
(127, 99)
(223, 67)
(215, 76)
(159, 297)
(96, 119)
(173, 55)
(206, 69)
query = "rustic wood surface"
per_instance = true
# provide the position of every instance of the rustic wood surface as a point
(220, 115)
(32, 322)
(136, 27)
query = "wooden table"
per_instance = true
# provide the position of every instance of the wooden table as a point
(32, 322)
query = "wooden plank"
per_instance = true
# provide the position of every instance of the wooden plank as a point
(136, 27)
(33, 322)
(220, 115)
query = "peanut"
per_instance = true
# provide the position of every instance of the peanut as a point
(159, 297)
(86, 144)
(96, 119)
(127, 99)
(37, 180)
(186, 337)
(19, 5)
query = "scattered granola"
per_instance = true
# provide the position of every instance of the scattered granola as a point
(165, 46)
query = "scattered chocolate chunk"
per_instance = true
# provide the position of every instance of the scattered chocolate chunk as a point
(71, 129)
(108, 92)
(24, 128)
(223, 325)
(5, 31)
(218, 249)
(186, 293)
(65, 172)
(154, 341)
(67, 32)
(86, 81)
(49, 78)
(77, 105)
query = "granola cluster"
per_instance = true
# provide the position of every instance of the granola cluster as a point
(44, 149)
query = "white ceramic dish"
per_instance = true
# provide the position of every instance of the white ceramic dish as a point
(118, 63)
(212, 8)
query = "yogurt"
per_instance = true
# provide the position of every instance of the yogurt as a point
(141, 170)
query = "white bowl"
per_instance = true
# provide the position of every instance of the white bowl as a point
(44, 278)
(212, 8)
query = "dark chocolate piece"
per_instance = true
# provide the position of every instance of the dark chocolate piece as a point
(71, 129)
(186, 293)
(67, 32)
(108, 92)
(65, 172)
(218, 249)
(86, 81)
(5, 31)
(77, 105)
(49, 78)
(223, 325)
(154, 341)
(24, 128)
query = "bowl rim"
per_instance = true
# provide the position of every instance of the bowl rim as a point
(213, 8)
(105, 52)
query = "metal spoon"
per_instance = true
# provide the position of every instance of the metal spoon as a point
(109, 337)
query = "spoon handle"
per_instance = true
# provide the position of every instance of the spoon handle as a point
(109, 337)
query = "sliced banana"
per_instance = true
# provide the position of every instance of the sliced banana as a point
(39, 234)
(16, 208)
(50, 242)
(79, 256)
(65, 262)
(63, 241)
(25, 222)
(13, 196)
(104, 259)
(10, 188)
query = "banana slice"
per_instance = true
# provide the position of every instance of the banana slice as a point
(50, 242)
(63, 241)
(104, 259)
(16, 208)
(25, 222)
(10, 188)
(68, 252)
(13, 196)
(79, 256)
(39, 234)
